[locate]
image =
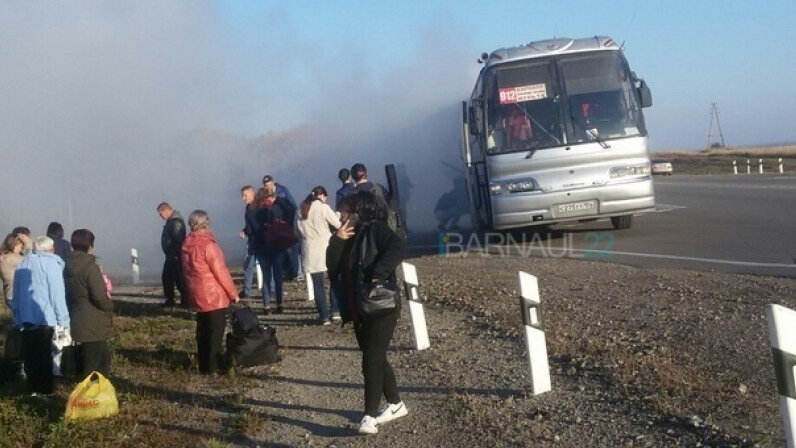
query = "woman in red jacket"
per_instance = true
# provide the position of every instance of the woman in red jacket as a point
(210, 290)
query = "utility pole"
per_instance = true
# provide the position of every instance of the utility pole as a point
(714, 116)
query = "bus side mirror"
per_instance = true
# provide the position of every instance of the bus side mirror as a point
(644, 94)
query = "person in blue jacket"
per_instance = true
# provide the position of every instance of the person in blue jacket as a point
(39, 308)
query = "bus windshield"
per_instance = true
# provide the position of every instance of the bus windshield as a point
(569, 99)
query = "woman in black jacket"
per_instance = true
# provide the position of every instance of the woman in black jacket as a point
(366, 224)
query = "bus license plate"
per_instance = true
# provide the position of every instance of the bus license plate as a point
(575, 209)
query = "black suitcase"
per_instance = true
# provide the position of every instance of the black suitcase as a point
(258, 347)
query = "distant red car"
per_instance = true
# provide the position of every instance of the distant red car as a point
(662, 166)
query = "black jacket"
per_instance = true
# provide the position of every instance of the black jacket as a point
(251, 226)
(173, 235)
(90, 309)
(345, 258)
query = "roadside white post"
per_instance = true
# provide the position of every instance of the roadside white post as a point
(259, 272)
(310, 289)
(735, 167)
(780, 165)
(136, 267)
(748, 166)
(411, 283)
(782, 332)
(535, 343)
(760, 165)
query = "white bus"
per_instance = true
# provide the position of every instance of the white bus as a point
(554, 132)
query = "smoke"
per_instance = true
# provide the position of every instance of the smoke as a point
(110, 108)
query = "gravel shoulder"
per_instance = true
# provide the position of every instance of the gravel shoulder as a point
(638, 357)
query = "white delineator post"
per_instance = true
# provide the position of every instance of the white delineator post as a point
(748, 166)
(782, 332)
(535, 343)
(136, 267)
(259, 272)
(780, 165)
(734, 167)
(310, 288)
(760, 165)
(418, 316)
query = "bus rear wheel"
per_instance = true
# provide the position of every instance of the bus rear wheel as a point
(622, 222)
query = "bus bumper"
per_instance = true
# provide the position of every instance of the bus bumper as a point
(510, 210)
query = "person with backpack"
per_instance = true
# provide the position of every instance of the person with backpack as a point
(272, 208)
(314, 221)
(365, 252)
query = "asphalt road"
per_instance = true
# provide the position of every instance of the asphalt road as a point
(743, 224)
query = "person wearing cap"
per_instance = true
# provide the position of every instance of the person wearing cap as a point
(294, 269)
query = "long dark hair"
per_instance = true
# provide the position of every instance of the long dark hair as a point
(315, 195)
(368, 206)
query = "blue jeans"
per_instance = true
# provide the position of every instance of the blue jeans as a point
(271, 263)
(319, 287)
(249, 263)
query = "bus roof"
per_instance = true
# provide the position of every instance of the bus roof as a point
(561, 45)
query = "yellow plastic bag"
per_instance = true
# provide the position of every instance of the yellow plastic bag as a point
(93, 398)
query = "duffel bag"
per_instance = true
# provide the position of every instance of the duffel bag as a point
(258, 347)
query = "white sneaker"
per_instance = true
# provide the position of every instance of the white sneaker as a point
(391, 412)
(368, 425)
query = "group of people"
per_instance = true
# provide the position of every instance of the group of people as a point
(58, 297)
(56, 290)
(353, 245)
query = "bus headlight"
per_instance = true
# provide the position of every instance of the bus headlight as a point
(639, 170)
(496, 189)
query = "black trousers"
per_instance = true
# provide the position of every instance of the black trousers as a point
(210, 328)
(374, 337)
(36, 352)
(171, 277)
(95, 355)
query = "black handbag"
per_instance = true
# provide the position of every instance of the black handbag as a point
(377, 299)
(374, 298)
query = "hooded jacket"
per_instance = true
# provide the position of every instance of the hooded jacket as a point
(39, 291)
(207, 278)
(89, 307)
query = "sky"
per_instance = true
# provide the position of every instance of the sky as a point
(109, 108)
(737, 54)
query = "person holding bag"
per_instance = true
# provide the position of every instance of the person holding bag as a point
(273, 212)
(39, 307)
(210, 290)
(365, 252)
(90, 310)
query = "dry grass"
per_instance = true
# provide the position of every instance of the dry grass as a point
(719, 160)
(163, 401)
(784, 151)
